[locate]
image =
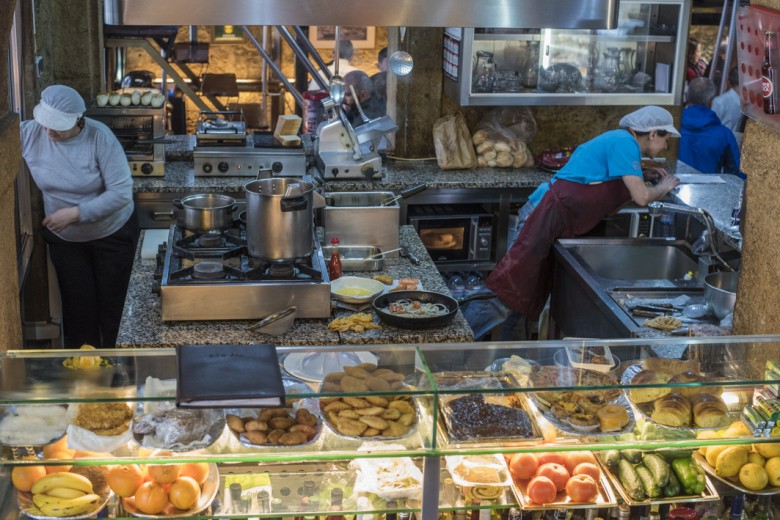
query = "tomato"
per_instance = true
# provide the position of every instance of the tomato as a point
(541, 490)
(582, 488)
(544, 458)
(557, 473)
(572, 459)
(586, 468)
(523, 466)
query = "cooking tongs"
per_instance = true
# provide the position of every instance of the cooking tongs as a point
(405, 194)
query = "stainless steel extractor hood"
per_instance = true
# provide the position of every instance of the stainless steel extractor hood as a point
(554, 14)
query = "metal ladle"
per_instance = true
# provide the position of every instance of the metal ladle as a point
(401, 62)
(336, 85)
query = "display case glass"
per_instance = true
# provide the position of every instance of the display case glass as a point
(412, 409)
(642, 61)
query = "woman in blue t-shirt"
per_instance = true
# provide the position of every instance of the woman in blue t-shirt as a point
(601, 175)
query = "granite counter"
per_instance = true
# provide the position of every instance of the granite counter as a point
(142, 324)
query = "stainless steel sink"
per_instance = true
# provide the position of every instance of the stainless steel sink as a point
(588, 270)
(633, 259)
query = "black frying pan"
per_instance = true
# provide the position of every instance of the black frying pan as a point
(382, 302)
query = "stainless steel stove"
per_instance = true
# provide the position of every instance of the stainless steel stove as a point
(211, 276)
(224, 149)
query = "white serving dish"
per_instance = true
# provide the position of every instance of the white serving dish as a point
(372, 289)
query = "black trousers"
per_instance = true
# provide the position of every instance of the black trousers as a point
(93, 278)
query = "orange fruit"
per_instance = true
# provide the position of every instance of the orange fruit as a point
(79, 454)
(124, 480)
(184, 493)
(151, 498)
(164, 473)
(59, 455)
(57, 446)
(198, 471)
(23, 477)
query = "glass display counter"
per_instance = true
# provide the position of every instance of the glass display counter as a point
(413, 412)
(642, 62)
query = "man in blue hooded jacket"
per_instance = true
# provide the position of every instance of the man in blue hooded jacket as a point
(705, 143)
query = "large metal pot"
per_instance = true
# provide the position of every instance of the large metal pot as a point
(720, 292)
(280, 218)
(206, 212)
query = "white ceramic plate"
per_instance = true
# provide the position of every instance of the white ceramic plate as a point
(368, 289)
(314, 369)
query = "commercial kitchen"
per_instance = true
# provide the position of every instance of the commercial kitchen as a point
(454, 425)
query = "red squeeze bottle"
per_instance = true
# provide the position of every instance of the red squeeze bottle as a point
(334, 265)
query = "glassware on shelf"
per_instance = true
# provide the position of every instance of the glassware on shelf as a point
(609, 77)
(531, 70)
(484, 72)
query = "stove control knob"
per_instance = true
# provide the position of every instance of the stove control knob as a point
(277, 167)
(223, 166)
(207, 167)
(146, 168)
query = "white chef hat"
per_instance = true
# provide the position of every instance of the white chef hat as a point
(59, 109)
(649, 118)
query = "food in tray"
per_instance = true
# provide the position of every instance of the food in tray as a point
(417, 309)
(518, 367)
(479, 477)
(592, 358)
(651, 476)
(367, 415)
(62, 494)
(32, 425)
(612, 417)
(665, 323)
(548, 478)
(385, 279)
(104, 418)
(585, 411)
(85, 362)
(554, 376)
(390, 478)
(406, 284)
(275, 426)
(471, 417)
(171, 426)
(751, 468)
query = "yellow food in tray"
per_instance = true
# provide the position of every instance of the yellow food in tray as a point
(385, 279)
(358, 322)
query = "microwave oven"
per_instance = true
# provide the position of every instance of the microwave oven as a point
(454, 233)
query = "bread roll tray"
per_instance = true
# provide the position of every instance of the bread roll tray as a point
(606, 496)
(709, 470)
(708, 495)
(645, 410)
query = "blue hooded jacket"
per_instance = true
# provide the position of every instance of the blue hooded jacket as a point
(705, 144)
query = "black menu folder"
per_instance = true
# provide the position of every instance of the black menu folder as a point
(228, 376)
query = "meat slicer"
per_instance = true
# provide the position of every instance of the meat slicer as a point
(344, 152)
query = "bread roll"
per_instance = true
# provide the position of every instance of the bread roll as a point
(709, 411)
(648, 377)
(672, 410)
(612, 417)
(671, 366)
(688, 377)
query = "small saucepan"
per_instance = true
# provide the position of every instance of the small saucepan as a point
(206, 212)
(447, 304)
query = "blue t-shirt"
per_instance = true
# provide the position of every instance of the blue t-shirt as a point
(607, 157)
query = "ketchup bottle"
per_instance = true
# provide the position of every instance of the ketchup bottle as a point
(334, 265)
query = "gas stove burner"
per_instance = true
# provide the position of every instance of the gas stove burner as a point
(281, 271)
(208, 271)
(211, 239)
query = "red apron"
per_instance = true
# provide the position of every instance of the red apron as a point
(523, 278)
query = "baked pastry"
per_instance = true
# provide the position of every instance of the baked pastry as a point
(612, 417)
(671, 366)
(709, 411)
(648, 377)
(672, 410)
(585, 422)
(688, 377)
(666, 323)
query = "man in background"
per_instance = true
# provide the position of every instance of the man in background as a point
(728, 108)
(371, 104)
(346, 52)
(379, 80)
(705, 144)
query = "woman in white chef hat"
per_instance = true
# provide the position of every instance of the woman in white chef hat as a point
(90, 223)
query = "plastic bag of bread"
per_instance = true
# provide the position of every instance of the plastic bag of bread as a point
(501, 137)
(452, 142)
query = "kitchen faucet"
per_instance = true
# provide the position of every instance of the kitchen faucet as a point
(708, 235)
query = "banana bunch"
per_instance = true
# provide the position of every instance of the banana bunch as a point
(64, 494)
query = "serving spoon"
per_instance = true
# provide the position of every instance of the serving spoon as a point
(336, 85)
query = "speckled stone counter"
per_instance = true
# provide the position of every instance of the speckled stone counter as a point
(142, 324)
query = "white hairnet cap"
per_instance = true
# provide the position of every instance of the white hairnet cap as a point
(649, 118)
(59, 109)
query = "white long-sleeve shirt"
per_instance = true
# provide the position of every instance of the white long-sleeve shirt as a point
(344, 69)
(89, 170)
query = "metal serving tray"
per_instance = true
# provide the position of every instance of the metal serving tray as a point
(356, 258)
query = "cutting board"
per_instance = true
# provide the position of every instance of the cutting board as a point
(152, 239)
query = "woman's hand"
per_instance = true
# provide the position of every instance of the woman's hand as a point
(654, 174)
(668, 183)
(62, 218)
